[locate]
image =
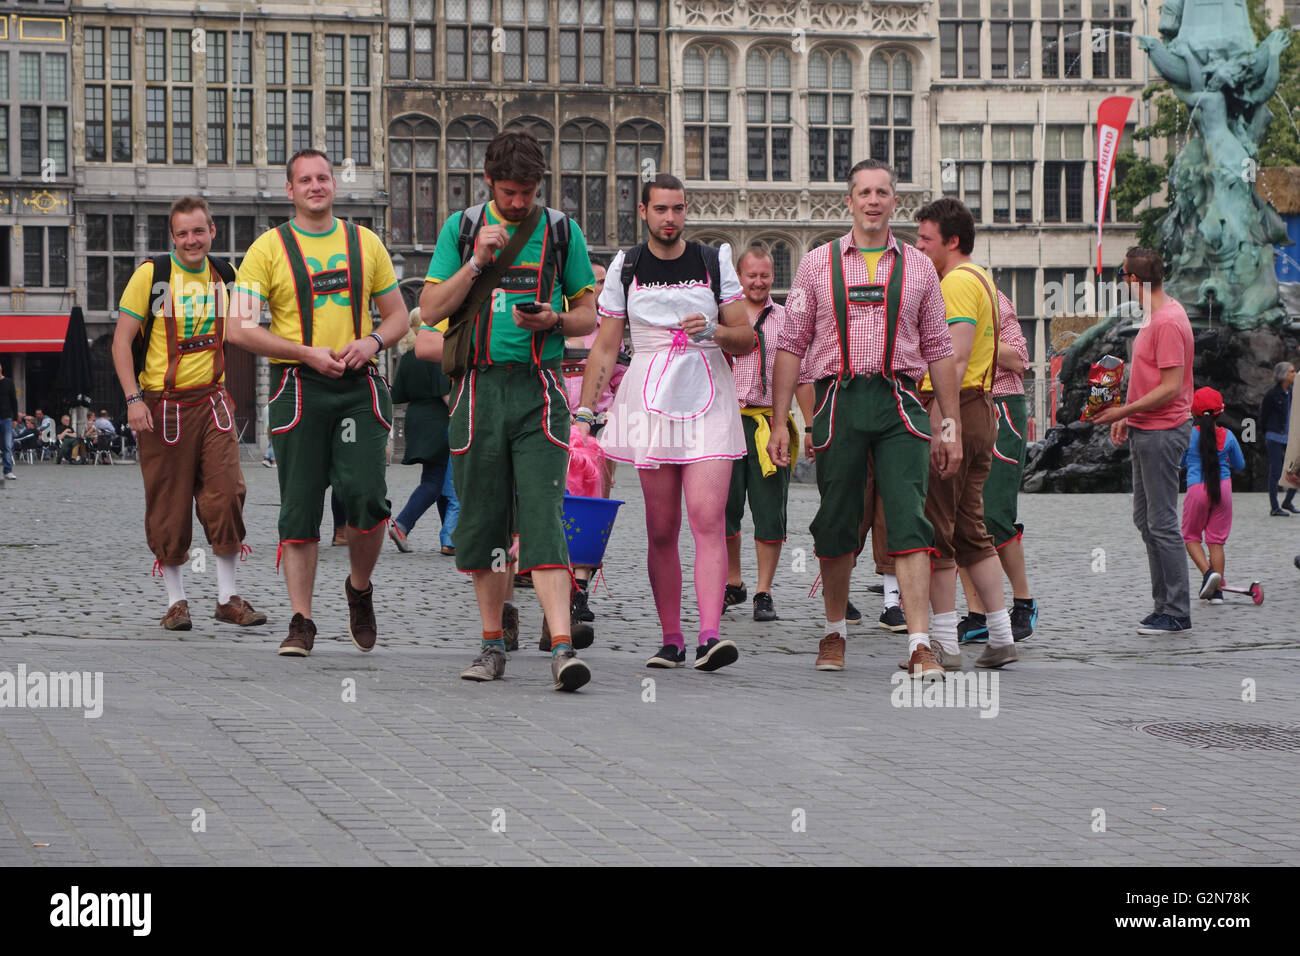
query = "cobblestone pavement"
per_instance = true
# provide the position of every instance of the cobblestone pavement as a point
(767, 761)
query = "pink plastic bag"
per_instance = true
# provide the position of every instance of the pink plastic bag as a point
(586, 467)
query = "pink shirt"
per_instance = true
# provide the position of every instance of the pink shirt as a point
(744, 368)
(1006, 382)
(1165, 340)
(810, 332)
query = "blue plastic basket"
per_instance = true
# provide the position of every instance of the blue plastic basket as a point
(587, 524)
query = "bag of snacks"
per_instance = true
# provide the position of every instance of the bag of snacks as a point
(1104, 380)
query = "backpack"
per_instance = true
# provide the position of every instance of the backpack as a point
(473, 219)
(712, 264)
(162, 273)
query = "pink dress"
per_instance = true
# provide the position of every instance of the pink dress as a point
(574, 371)
(677, 401)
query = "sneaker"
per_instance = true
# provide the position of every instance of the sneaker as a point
(448, 551)
(715, 654)
(361, 615)
(998, 656)
(876, 588)
(1210, 583)
(267, 463)
(1153, 615)
(578, 609)
(399, 537)
(489, 665)
(670, 655)
(177, 617)
(973, 629)
(11, 477)
(1024, 618)
(763, 610)
(1275, 513)
(949, 662)
(1216, 597)
(240, 612)
(851, 614)
(510, 626)
(735, 594)
(1166, 624)
(922, 664)
(1289, 506)
(892, 619)
(581, 636)
(830, 653)
(302, 636)
(568, 672)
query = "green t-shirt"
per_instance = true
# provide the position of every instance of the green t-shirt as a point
(506, 341)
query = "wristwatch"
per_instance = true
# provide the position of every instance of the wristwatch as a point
(559, 323)
(807, 429)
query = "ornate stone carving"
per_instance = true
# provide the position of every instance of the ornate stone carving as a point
(772, 13)
(838, 16)
(709, 13)
(828, 206)
(4, 201)
(712, 204)
(773, 205)
(893, 19)
(909, 203)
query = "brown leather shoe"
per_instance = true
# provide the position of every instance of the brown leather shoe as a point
(923, 664)
(361, 615)
(830, 653)
(178, 617)
(238, 611)
(302, 637)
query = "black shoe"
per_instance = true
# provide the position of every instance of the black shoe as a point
(1279, 513)
(735, 594)
(670, 655)
(1153, 615)
(973, 629)
(715, 654)
(510, 626)
(851, 614)
(1024, 618)
(892, 619)
(876, 588)
(578, 609)
(580, 636)
(1288, 506)
(763, 610)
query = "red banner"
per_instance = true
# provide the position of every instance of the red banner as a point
(1111, 115)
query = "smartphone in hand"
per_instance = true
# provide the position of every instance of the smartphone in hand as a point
(532, 308)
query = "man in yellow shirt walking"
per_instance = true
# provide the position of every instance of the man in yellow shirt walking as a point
(330, 412)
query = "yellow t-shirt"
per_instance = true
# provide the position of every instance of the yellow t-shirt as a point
(265, 273)
(967, 300)
(194, 300)
(871, 257)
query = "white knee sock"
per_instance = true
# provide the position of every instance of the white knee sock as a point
(171, 574)
(225, 576)
(892, 595)
(943, 628)
(837, 627)
(916, 640)
(999, 628)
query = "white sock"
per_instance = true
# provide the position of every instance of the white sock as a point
(999, 628)
(943, 628)
(225, 576)
(916, 640)
(171, 574)
(836, 627)
(892, 596)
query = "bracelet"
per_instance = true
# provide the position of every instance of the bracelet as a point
(585, 415)
(807, 429)
(133, 398)
(710, 326)
(474, 266)
(559, 323)
(380, 339)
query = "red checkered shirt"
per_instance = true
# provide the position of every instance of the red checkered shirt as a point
(744, 368)
(922, 334)
(1006, 382)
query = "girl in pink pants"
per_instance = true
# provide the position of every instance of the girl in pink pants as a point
(1211, 457)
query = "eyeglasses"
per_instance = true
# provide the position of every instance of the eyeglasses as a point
(1121, 274)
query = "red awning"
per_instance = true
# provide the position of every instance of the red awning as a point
(33, 333)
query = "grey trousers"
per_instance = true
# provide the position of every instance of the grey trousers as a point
(1155, 456)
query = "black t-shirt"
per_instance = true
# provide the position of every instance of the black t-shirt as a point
(8, 399)
(688, 267)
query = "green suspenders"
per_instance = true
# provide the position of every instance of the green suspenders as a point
(892, 298)
(302, 280)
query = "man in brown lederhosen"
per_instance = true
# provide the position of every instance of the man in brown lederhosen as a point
(175, 306)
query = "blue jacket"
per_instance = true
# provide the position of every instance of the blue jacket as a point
(1230, 457)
